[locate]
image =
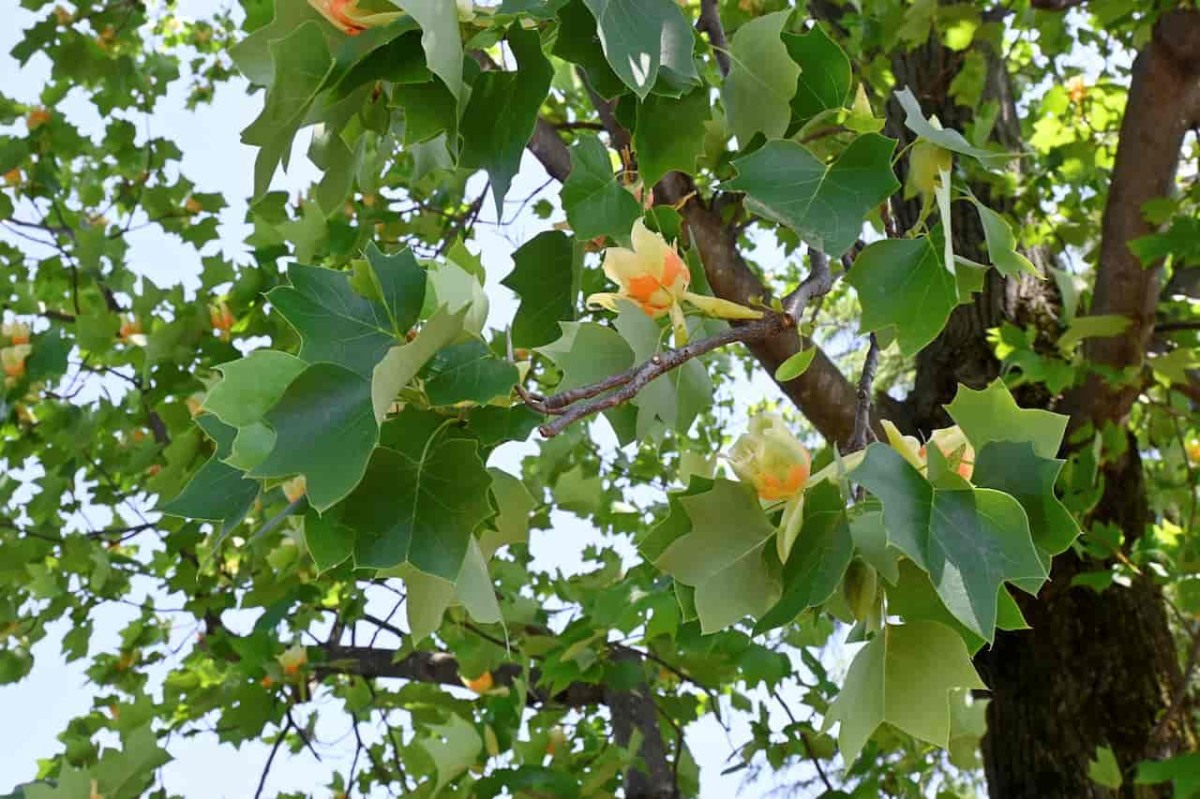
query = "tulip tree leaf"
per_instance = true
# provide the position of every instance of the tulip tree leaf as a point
(817, 560)
(440, 39)
(991, 414)
(902, 284)
(325, 429)
(251, 385)
(825, 205)
(825, 74)
(429, 596)
(912, 597)
(253, 56)
(453, 746)
(762, 79)
(1002, 244)
(420, 506)
(1016, 469)
(587, 352)
(514, 505)
(546, 275)
(578, 42)
(217, 491)
(640, 37)
(903, 677)
(468, 372)
(970, 541)
(302, 64)
(339, 325)
(1182, 771)
(947, 139)
(403, 362)
(670, 134)
(329, 542)
(724, 555)
(595, 203)
(503, 109)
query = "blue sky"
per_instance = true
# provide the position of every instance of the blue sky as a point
(39, 707)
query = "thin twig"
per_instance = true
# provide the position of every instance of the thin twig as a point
(585, 401)
(710, 23)
(303, 735)
(863, 434)
(804, 739)
(262, 781)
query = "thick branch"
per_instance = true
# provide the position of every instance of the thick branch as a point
(633, 709)
(1164, 103)
(442, 669)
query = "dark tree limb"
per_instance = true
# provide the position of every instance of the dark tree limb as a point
(1164, 104)
(862, 415)
(633, 709)
(710, 23)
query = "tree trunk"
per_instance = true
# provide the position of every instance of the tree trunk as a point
(1096, 669)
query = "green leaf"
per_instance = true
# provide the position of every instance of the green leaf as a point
(468, 372)
(1104, 769)
(253, 56)
(1016, 469)
(440, 39)
(325, 429)
(429, 110)
(217, 491)
(992, 414)
(826, 206)
(670, 134)
(397, 283)
(420, 507)
(453, 746)
(795, 366)
(251, 385)
(338, 325)
(587, 352)
(825, 73)
(1182, 771)
(302, 64)
(578, 42)
(970, 541)
(503, 109)
(404, 362)
(952, 140)
(762, 79)
(641, 36)
(870, 542)
(1102, 326)
(723, 556)
(329, 542)
(912, 597)
(902, 677)
(902, 284)
(546, 275)
(430, 596)
(595, 203)
(1002, 244)
(817, 560)
(514, 506)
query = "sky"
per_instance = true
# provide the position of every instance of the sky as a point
(216, 161)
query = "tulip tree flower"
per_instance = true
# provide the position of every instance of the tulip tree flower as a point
(654, 277)
(347, 17)
(15, 332)
(13, 360)
(774, 461)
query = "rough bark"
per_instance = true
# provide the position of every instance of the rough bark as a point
(1095, 669)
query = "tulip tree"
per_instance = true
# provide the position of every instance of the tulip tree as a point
(950, 550)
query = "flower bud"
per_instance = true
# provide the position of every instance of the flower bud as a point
(859, 587)
(771, 459)
(15, 332)
(13, 359)
(295, 488)
(292, 659)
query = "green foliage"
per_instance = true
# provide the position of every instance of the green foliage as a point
(274, 440)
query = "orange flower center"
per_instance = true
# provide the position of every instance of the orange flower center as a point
(771, 488)
(643, 288)
(338, 9)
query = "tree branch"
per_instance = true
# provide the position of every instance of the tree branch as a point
(1164, 103)
(710, 23)
(862, 415)
(580, 403)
